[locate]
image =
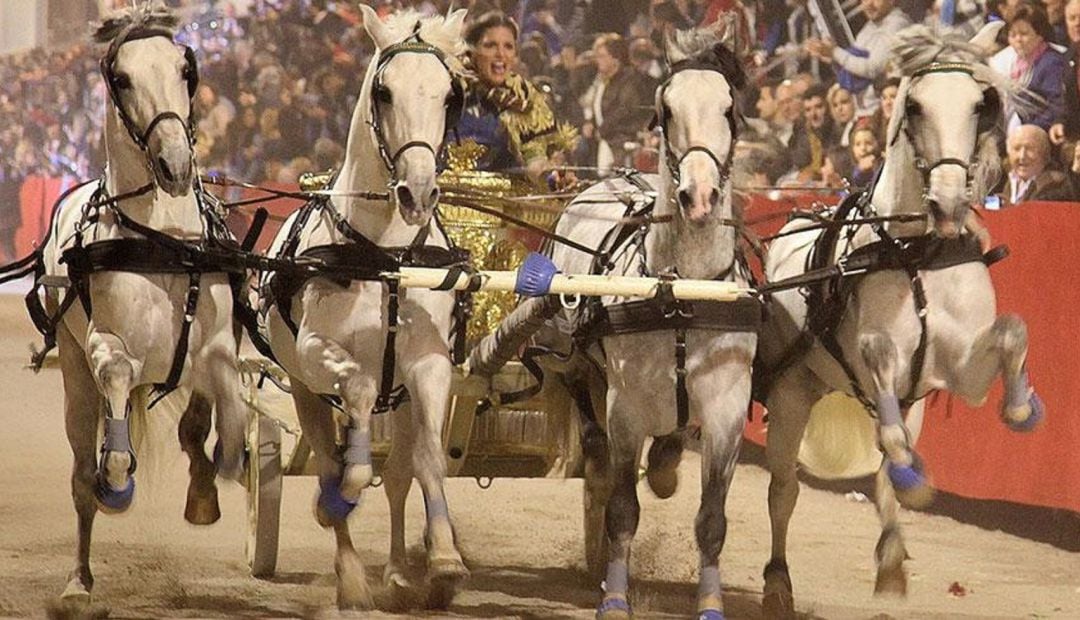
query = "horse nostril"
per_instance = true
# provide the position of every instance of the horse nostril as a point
(714, 197)
(405, 197)
(433, 198)
(685, 199)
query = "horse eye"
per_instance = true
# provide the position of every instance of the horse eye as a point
(913, 108)
(121, 81)
(382, 94)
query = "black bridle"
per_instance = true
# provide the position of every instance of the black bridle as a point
(454, 104)
(674, 160)
(135, 32)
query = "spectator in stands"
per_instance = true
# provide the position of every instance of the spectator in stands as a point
(1030, 176)
(1070, 155)
(1068, 122)
(965, 19)
(1055, 14)
(813, 136)
(504, 112)
(619, 99)
(789, 111)
(541, 19)
(865, 155)
(879, 120)
(1034, 64)
(842, 111)
(858, 66)
(837, 159)
(11, 179)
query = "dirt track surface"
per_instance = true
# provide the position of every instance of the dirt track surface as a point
(521, 538)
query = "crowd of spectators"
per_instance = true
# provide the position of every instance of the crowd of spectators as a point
(279, 80)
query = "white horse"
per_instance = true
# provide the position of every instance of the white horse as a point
(694, 236)
(923, 319)
(124, 322)
(332, 336)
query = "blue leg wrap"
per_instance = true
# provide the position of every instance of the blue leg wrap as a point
(331, 500)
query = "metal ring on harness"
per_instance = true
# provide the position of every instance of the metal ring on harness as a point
(564, 299)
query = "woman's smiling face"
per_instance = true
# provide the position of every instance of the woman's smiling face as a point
(495, 55)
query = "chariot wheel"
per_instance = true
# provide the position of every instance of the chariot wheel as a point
(264, 478)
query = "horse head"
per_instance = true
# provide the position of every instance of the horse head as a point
(695, 111)
(947, 123)
(151, 83)
(415, 93)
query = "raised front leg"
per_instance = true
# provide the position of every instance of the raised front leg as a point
(328, 363)
(114, 371)
(1002, 349)
(331, 510)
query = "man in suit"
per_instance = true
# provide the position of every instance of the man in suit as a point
(1029, 175)
(1067, 126)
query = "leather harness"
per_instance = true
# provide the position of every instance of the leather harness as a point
(361, 259)
(829, 284)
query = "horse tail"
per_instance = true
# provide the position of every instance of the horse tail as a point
(840, 441)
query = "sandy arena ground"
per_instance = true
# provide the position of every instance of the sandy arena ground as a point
(521, 538)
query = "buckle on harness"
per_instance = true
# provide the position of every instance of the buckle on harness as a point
(845, 270)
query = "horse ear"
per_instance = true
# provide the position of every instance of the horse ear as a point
(726, 29)
(671, 50)
(374, 26)
(898, 116)
(986, 38)
(455, 22)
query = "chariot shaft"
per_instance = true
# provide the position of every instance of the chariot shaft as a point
(572, 284)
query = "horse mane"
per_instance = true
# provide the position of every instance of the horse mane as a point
(918, 46)
(704, 48)
(433, 30)
(145, 17)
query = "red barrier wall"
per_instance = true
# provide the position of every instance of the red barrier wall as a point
(968, 450)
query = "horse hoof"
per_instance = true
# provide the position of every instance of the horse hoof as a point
(75, 594)
(1035, 411)
(113, 501)
(614, 608)
(202, 508)
(331, 508)
(664, 482)
(352, 588)
(778, 606)
(444, 585)
(355, 479)
(710, 614)
(662, 472)
(891, 582)
(912, 488)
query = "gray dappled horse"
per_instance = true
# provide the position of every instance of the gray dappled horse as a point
(125, 316)
(332, 335)
(665, 368)
(923, 319)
